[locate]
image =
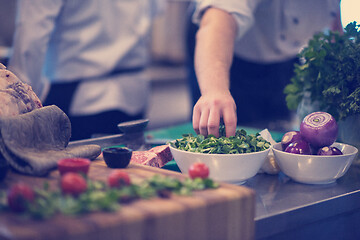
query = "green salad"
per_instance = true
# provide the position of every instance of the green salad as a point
(240, 143)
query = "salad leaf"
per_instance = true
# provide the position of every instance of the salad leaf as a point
(240, 143)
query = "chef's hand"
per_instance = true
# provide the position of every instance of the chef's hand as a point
(208, 111)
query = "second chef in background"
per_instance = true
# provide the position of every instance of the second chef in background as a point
(86, 57)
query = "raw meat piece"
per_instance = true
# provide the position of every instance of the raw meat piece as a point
(164, 154)
(155, 157)
(16, 97)
(145, 158)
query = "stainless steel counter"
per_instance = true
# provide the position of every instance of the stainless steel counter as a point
(289, 210)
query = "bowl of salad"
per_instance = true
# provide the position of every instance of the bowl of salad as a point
(232, 160)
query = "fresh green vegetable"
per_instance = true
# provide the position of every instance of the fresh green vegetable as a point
(240, 143)
(330, 73)
(101, 197)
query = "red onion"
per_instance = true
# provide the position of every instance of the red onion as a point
(299, 147)
(319, 129)
(329, 151)
(289, 137)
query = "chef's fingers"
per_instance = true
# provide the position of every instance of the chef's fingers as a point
(204, 121)
(214, 122)
(196, 119)
(230, 120)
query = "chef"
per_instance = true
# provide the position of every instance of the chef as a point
(244, 56)
(86, 57)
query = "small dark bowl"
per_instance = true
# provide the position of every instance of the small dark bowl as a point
(117, 157)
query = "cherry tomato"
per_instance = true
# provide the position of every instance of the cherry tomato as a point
(118, 178)
(80, 165)
(73, 183)
(199, 170)
(19, 195)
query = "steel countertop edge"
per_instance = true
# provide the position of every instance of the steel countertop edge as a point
(283, 205)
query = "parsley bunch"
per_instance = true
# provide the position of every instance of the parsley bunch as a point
(330, 73)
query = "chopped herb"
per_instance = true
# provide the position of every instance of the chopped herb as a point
(100, 197)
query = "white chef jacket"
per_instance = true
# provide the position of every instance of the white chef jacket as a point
(63, 41)
(273, 30)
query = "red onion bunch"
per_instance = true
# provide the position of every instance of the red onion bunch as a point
(318, 131)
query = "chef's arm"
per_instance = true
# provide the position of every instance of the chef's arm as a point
(213, 57)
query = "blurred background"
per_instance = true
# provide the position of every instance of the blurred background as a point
(170, 101)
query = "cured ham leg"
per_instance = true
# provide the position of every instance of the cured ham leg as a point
(16, 97)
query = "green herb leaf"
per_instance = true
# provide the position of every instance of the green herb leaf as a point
(240, 143)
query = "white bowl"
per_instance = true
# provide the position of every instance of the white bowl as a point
(314, 169)
(231, 168)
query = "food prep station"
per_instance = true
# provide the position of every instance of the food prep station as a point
(264, 207)
(270, 206)
(285, 209)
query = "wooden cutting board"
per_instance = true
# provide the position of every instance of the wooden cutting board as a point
(223, 213)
